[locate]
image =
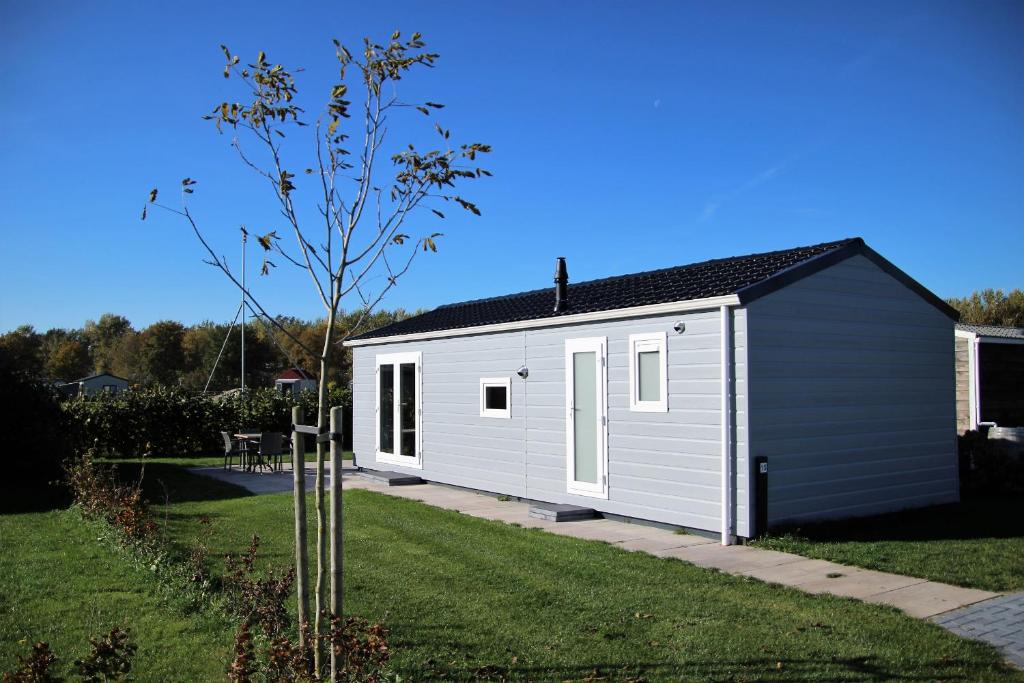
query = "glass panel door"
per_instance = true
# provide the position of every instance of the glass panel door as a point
(386, 409)
(585, 418)
(586, 397)
(407, 409)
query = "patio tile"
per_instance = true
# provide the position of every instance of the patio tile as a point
(792, 573)
(928, 598)
(653, 545)
(857, 583)
(734, 559)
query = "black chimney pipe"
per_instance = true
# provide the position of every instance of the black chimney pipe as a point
(561, 285)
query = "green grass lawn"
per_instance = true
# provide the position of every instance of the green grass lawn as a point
(977, 543)
(467, 599)
(59, 584)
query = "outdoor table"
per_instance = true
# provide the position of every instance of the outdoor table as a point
(248, 439)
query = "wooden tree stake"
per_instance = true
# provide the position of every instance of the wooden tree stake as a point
(301, 552)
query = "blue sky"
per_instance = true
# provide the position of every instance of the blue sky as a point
(626, 135)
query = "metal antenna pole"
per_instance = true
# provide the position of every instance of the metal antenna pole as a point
(222, 347)
(243, 309)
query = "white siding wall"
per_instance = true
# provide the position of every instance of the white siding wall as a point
(663, 467)
(852, 395)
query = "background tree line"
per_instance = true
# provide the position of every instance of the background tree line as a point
(168, 353)
(991, 307)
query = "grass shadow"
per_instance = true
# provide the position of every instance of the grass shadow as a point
(19, 497)
(163, 483)
(975, 517)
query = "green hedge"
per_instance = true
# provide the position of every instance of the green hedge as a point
(35, 439)
(174, 422)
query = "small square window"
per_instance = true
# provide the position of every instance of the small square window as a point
(648, 372)
(495, 394)
(495, 398)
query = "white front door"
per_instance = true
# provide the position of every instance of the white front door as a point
(586, 409)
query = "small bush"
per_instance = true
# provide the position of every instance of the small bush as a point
(258, 602)
(109, 660)
(99, 495)
(35, 668)
(361, 648)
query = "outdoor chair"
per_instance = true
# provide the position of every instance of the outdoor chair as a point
(270, 450)
(232, 449)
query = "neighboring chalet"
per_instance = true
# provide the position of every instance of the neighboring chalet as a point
(103, 383)
(989, 376)
(294, 381)
(663, 396)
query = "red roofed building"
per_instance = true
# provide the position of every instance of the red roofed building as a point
(293, 381)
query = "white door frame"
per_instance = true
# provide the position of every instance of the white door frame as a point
(599, 346)
(397, 359)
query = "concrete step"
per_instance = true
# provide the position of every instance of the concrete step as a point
(560, 512)
(388, 478)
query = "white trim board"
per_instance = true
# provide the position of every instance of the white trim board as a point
(711, 303)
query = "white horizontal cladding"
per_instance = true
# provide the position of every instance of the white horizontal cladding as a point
(560, 321)
(662, 466)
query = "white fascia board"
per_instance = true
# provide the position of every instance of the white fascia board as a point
(560, 321)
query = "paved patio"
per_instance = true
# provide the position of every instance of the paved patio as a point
(261, 482)
(968, 612)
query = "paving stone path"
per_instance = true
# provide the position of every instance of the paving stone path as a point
(968, 612)
(999, 621)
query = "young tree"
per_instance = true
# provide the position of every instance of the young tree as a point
(361, 244)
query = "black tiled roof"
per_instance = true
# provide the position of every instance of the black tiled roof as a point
(747, 276)
(993, 330)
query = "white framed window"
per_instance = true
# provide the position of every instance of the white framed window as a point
(648, 372)
(399, 409)
(496, 397)
(586, 409)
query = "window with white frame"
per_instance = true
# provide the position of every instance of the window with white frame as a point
(495, 397)
(398, 409)
(648, 372)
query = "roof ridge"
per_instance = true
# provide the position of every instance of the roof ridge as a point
(835, 244)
